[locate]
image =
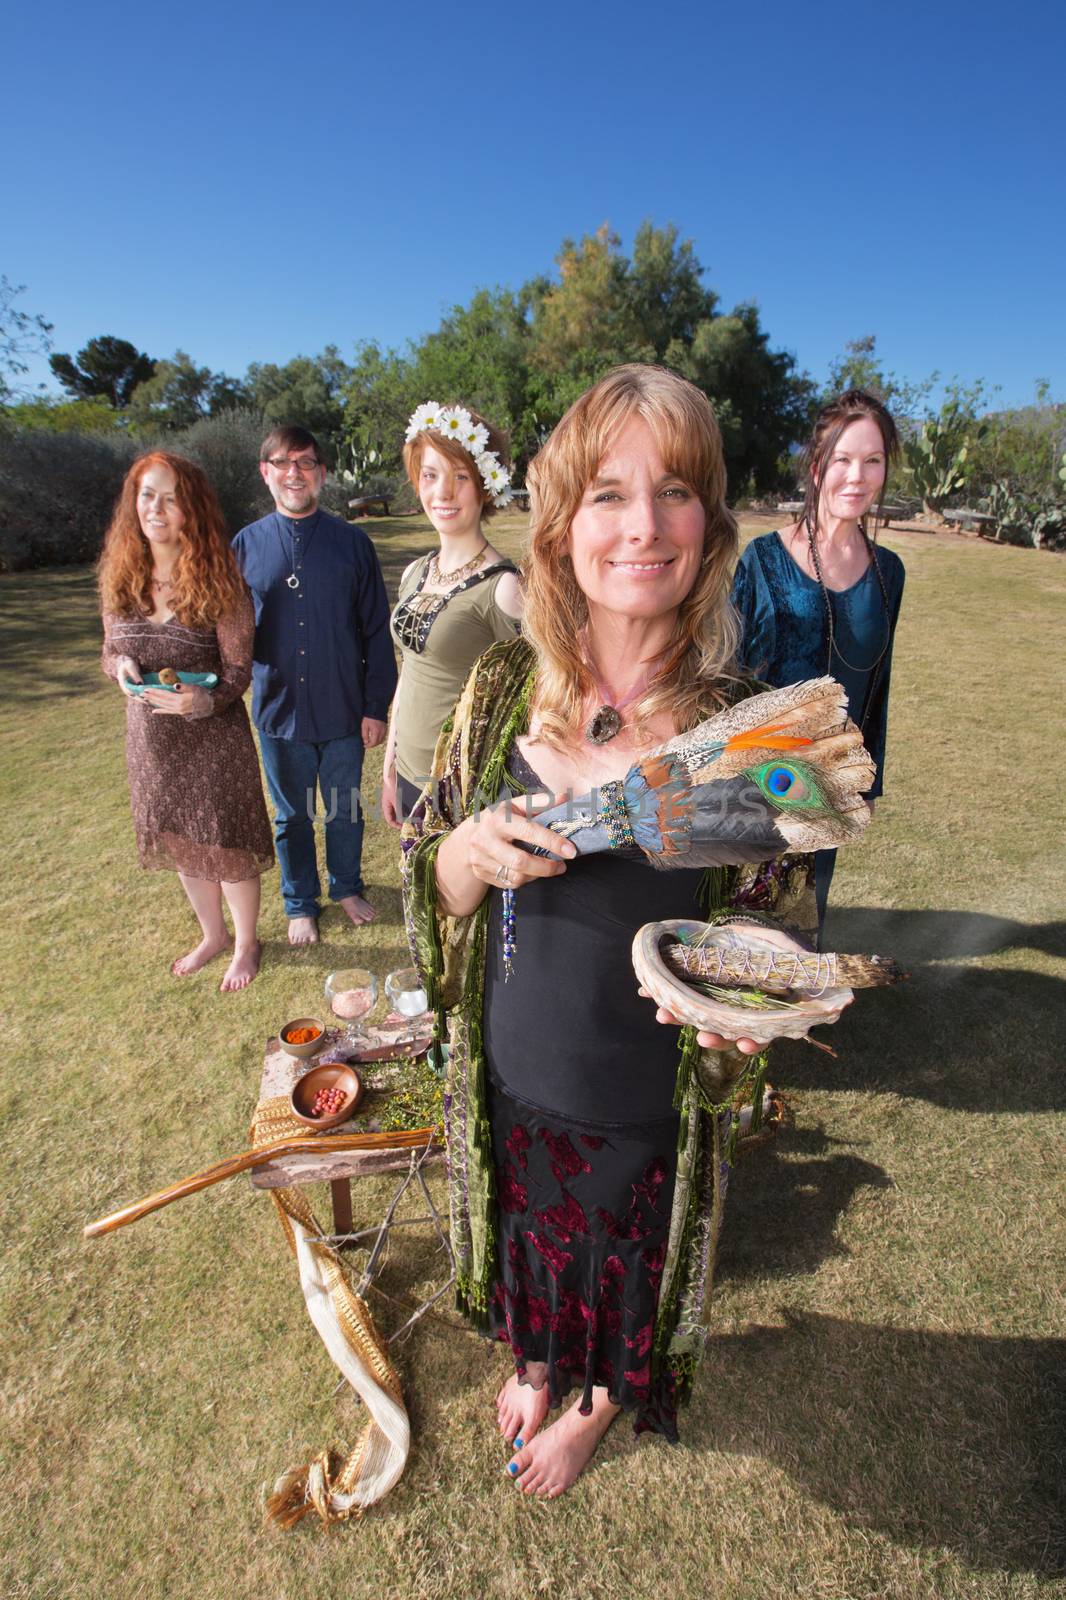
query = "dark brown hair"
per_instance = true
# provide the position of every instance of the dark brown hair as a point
(289, 437)
(457, 454)
(838, 414)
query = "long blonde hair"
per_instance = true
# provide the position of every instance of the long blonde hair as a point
(700, 660)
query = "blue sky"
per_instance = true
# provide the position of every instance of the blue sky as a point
(253, 182)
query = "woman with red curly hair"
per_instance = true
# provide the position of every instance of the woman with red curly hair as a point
(173, 598)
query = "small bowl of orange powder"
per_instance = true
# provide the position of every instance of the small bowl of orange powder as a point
(302, 1037)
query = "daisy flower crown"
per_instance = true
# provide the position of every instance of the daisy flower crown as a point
(453, 422)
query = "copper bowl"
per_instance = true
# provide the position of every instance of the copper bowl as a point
(312, 1047)
(324, 1077)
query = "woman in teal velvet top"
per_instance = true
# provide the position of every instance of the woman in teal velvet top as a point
(818, 596)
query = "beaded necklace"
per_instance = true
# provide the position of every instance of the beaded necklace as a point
(414, 617)
(457, 574)
(834, 649)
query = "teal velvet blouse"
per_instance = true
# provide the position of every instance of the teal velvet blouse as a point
(786, 633)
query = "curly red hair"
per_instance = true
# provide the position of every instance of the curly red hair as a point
(207, 580)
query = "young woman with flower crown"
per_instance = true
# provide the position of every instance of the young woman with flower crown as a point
(455, 601)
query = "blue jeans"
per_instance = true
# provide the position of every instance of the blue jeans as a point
(293, 770)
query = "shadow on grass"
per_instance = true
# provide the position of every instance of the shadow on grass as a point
(915, 937)
(966, 1037)
(52, 632)
(932, 1439)
(783, 1214)
(50, 627)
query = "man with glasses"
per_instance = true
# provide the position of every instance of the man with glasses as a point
(323, 676)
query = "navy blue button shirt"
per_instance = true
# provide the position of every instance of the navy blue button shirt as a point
(323, 657)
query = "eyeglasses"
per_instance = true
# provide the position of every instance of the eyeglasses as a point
(304, 464)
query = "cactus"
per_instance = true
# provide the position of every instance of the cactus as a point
(1038, 521)
(366, 455)
(938, 456)
(937, 463)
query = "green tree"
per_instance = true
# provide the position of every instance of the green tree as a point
(763, 405)
(587, 323)
(380, 393)
(1022, 447)
(308, 390)
(521, 357)
(179, 393)
(860, 368)
(106, 368)
(667, 295)
(606, 309)
(22, 334)
(176, 395)
(481, 354)
(49, 415)
(227, 394)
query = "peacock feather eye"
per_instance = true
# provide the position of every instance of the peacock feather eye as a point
(788, 784)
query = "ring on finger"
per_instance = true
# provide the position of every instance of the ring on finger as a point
(503, 872)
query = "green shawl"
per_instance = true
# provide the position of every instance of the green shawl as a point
(469, 771)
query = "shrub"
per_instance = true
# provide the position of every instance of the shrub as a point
(57, 491)
(1038, 520)
(336, 493)
(1022, 448)
(227, 448)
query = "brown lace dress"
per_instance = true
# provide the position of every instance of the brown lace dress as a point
(195, 788)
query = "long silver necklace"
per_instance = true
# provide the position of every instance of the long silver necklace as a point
(293, 581)
(834, 648)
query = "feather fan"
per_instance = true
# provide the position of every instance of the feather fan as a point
(782, 770)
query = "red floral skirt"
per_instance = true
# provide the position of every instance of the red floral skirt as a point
(583, 1215)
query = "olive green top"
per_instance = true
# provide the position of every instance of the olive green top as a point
(432, 680)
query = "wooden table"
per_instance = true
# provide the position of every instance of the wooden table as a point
(280, 1072)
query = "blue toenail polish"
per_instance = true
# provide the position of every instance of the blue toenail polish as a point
(519, 1443)
(512, 1467)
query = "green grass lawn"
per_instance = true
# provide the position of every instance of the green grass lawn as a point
(880, 1411)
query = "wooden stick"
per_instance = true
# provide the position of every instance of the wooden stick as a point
(306, 1145)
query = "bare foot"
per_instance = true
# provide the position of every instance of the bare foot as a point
(357, 908)
(303, 930)
(556, 1457)
(521, 1410)
(242, 969)
(205, 951)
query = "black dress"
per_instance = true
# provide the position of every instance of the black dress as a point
(581, 1083)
